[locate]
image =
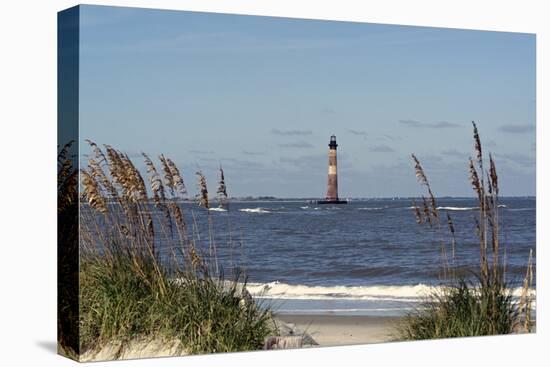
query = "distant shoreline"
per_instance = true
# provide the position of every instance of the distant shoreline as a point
(276, 199)
(350, 199)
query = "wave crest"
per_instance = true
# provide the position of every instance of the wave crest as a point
(457, 208)
(217, 209)
(404, 293)
(254, 210)
(289, 291)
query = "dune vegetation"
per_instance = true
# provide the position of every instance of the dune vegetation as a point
(483, 303)
(145, 273)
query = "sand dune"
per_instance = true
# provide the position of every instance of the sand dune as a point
(141, 348)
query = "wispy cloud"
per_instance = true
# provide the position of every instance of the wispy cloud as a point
(454, 153)
(297, 144)
(328, 111)
(357, 132)
(517, 129)
(315, 164)
(412, 123)
(208, 159)
(430, 125)
(307, 163)
(381, 149)
(433, 161)
(491, 143)
(443, 125)
(522, 160)
(241, 164)
(252, 153)
(195, 151)
(390, 137)
(291, 132)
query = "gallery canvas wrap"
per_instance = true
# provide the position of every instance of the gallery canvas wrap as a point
(234, 183)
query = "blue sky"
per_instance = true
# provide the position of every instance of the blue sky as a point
(262, 95)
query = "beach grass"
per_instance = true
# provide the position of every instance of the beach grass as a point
(205, 314)
(466, 307)
(145, 273)
(459, 310)
(67, 251)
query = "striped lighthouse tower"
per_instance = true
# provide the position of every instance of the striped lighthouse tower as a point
(332, 189)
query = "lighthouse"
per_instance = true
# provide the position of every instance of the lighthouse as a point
(332, 187)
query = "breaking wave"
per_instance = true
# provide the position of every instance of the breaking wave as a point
(254, 210)
(460, 208)
(288, 291)
(403, 293)
(457, 208)
(217, 210)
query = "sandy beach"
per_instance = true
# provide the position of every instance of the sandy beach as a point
(331, 330)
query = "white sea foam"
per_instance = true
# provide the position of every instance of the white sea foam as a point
(380, 208)
(217, 210)
(288, 291)
(457, 208)
(254, 210)
(405, 293)
(460, 208)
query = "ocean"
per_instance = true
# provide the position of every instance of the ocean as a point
(367, 257)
